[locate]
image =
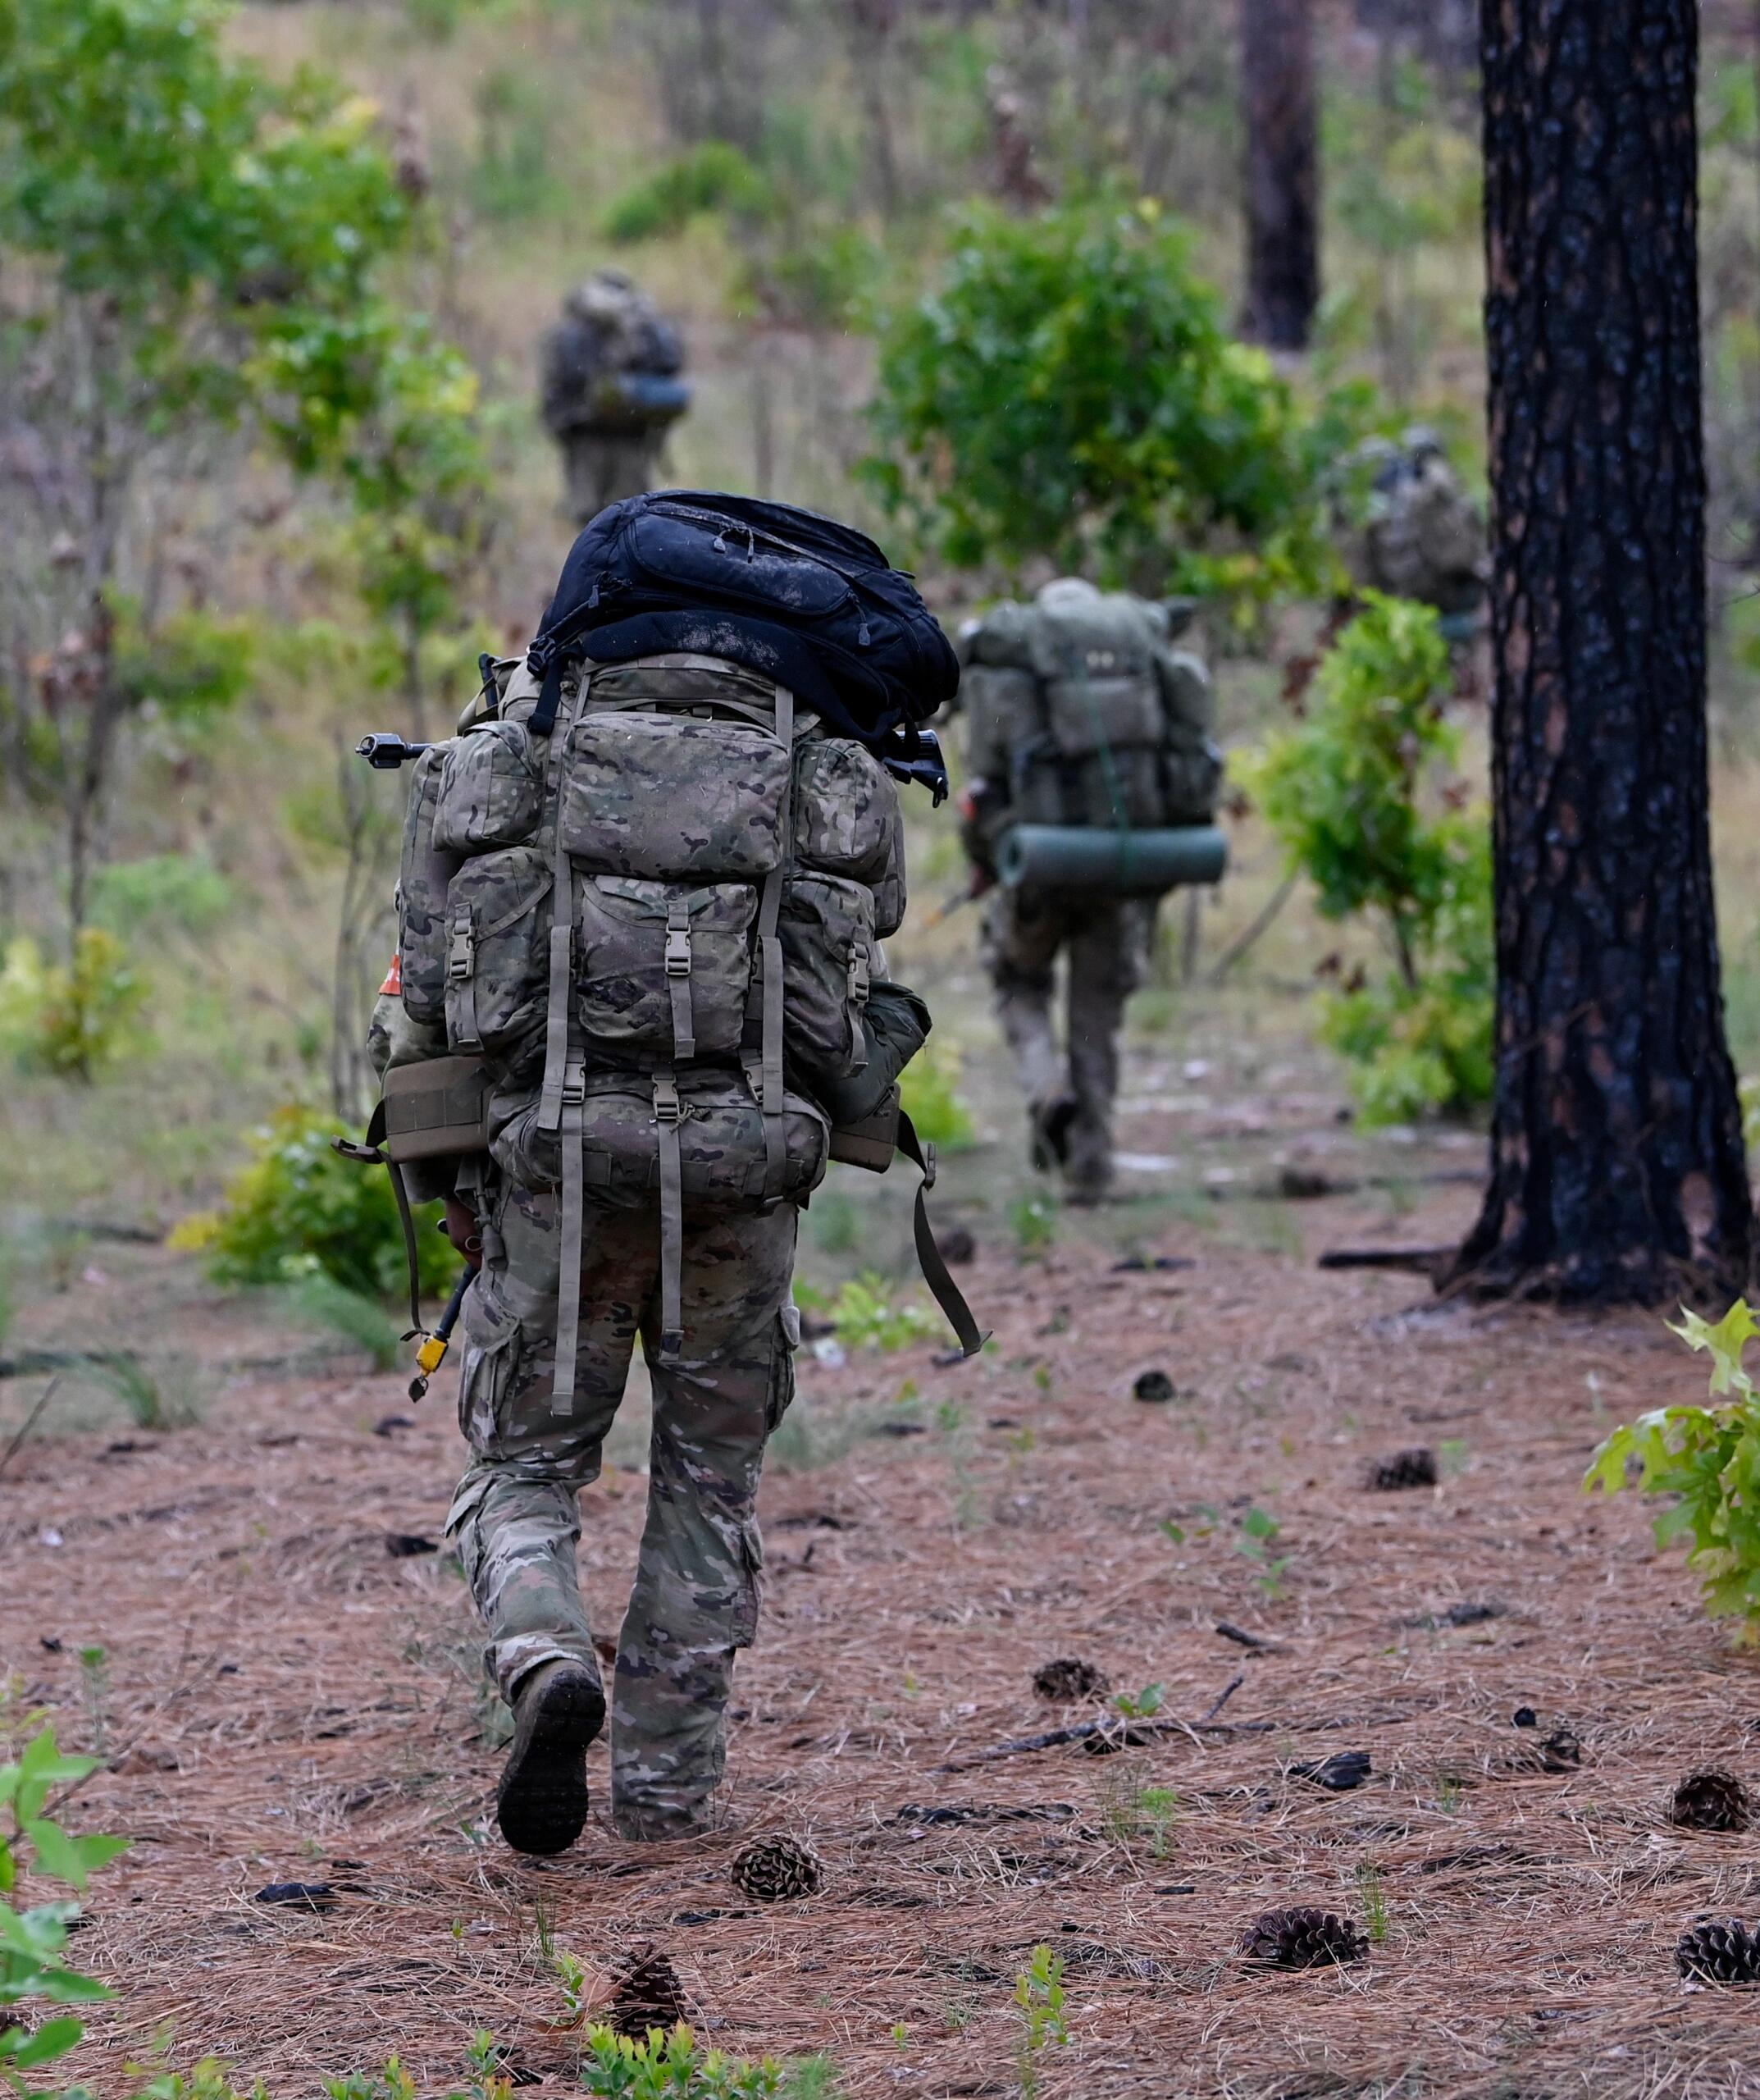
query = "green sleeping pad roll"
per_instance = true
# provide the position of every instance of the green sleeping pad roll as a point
(1110, 863)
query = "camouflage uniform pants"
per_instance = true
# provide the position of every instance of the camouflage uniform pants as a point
(602, 467)
(515, 1519)
(1107, 940)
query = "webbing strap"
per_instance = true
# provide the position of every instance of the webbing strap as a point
(573, 1255)
(678, 978)
(667, 1114)
(556, 1015)
(562, 951)
(947, 1294)
(770, 948)
(400, 1195)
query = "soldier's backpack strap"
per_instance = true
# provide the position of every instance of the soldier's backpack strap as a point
(872, 1144)
(947, 1294)
(373, 1153)
(770, 948)
(562, 1102)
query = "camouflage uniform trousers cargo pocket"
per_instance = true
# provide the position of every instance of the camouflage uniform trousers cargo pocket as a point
(516, 1521)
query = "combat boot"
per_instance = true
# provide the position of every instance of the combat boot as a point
(1051, 1120)
(558, 1708)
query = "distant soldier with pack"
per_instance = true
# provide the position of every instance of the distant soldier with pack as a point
(639, 1004)
(1091, 787)
(1420, 536)
(613, 388)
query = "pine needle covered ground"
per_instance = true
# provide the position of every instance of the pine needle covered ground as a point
(289, 1691)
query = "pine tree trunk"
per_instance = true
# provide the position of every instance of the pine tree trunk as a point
(1617, 1168)
(1283, 172)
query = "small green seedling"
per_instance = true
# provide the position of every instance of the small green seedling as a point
(1039, 1993)
(1138, 1706)
(1374, 1903)
(1259, 1529)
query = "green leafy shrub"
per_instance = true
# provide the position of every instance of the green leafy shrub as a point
(715, 176)
(33, 1961)
(185, 891)
(670, 2067)
(929, 1090)
(1070, 388)
(1362, 794)
(866, 1317)
(297, 1204)
(70, 1018)
(1707, 1458)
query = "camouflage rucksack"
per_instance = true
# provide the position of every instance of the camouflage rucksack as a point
(1103, 722)
(659, 927)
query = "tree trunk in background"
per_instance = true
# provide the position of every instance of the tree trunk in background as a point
(1617, 1166)
(1283, 172)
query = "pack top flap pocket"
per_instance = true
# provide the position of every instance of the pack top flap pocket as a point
(670, 797)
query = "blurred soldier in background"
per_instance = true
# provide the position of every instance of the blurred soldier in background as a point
(612, 390)
(1079, 713)
(1420, 536)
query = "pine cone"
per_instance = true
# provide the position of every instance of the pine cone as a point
(770, 1870)
(1302, 1939)
(1719, 1954)
(1713, 1800)
(1414, 1468)
(1561, 1751)
(1069, 1678)
(646, 1994)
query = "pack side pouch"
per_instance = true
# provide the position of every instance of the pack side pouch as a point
(721, 1144)
(632, 954)
(871, 1142)
(424, 875)
(491, 789)
(497, 962)
(891, 894)
(673, 798)
(1089, 713)
(846, 809)
(827, 932)
(436, 1109)
(1190, 781)
(897, 1025)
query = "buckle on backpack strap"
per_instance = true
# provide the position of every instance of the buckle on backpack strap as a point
(678, 950)
(461, 950)
(666, 1107)
(574, 1082)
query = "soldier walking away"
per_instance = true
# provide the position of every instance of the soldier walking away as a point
(638, 1003)
(613, 388)
(1080, 713)
(1421, 536)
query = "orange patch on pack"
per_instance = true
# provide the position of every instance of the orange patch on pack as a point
(394, 977)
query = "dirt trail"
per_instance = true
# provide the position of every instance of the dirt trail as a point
(284, 1700)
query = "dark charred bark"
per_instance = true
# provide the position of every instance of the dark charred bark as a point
(1283, 172)
(1617, 1166)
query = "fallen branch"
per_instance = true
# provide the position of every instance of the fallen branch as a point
(29, 1423)
(1242, 1639)
(1416, 1261)
(31, 1362)
(1222, 1697)
(1128, 1732)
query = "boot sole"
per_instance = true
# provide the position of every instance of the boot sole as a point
(541, 1806)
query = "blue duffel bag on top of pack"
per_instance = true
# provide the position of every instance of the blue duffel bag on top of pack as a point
(794, 596)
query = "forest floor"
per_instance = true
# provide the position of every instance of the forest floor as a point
(282, 1698)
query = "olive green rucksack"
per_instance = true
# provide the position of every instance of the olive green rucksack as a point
(1103, 723)
(658, 928)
